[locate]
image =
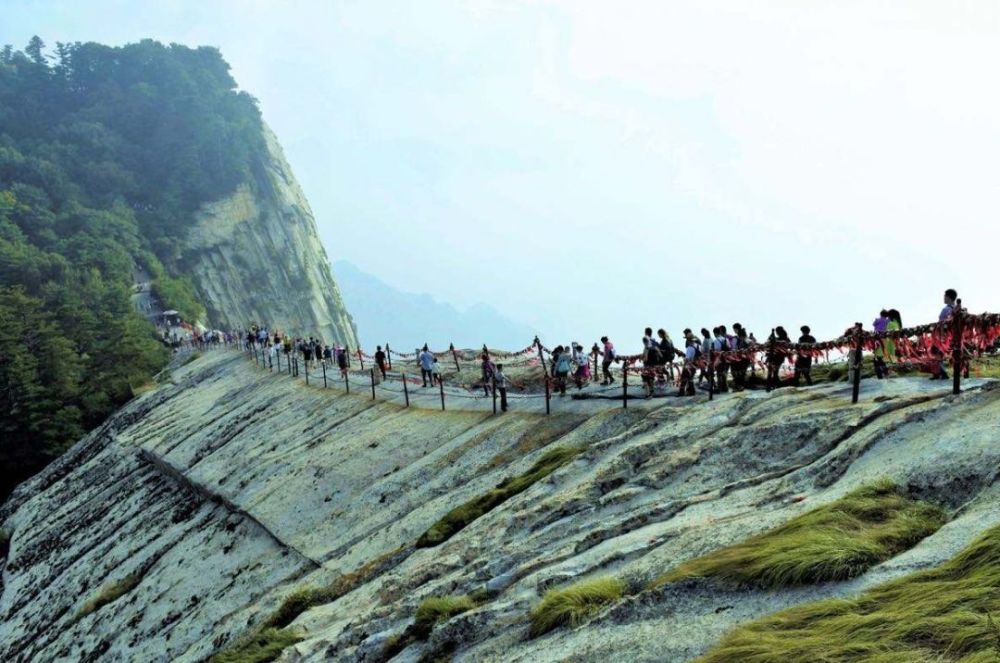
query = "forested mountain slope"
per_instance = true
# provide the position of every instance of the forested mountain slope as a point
(117, 157)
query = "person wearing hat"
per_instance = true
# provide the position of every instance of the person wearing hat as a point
(803, 361)
(692, 352)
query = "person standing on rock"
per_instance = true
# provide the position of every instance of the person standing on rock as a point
(582, 374)
(436, 376)
(609, 356)
(502, 383)
(380, 360)
(342, 361)
(950, 297)
(426, 361)
(307, 353)
(487, 369)
(776, 357)
(803, 360)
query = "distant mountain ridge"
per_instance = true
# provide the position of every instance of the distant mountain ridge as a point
(407, 320)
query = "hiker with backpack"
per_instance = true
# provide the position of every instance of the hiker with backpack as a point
(667, 352)
(650, 361)
(561, 364)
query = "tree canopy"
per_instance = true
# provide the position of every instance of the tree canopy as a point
(105, 153)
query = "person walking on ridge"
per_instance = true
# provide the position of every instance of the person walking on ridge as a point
(380, 360)
(692, 353)
(609, 356)
(487, 368)
(426, 361)
(561, 364)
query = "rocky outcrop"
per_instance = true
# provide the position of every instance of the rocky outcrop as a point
(225, 490)
(255, 257)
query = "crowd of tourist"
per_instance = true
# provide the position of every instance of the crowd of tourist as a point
(663, 362)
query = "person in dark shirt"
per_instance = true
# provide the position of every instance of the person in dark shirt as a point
(380, 360)
(803, 361)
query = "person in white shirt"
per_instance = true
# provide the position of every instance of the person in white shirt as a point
(502, 383)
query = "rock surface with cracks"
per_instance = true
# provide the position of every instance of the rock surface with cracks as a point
(231, 487)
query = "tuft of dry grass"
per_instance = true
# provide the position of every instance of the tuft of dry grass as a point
(261, 647)
(837, 541)
(942, 614)
(569, 606)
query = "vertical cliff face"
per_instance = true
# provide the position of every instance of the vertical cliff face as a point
(256, 257)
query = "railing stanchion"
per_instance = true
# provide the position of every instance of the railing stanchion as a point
(541, 355)
(856, 387)
(454, 355)
(361, 358)
(711, 370)
(306, 365)
(493, 378)
(406, 391)
(388, 355)
(441, 385)
(373, 383)
(625, 386)
(324, 373)
(548, 395)
(957, 333)
(347, 380)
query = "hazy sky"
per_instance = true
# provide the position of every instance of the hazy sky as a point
(593, 167)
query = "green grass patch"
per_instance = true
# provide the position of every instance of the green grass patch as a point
(837, 541)
(943, 614)
(440, 609)
(570, 605)
(260, 647)
(110, 593)
(429, 614)
(461, 516)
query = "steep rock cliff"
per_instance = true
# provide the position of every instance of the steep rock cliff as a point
(224, 491)
(255, 257)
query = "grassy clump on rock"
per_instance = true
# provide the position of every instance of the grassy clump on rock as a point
(461, 516)
(110, 593)
(4, 544)
(429, 614)
(438, 609)
(571, 605)
(943, 614)
(260, 647)
(837, 541)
